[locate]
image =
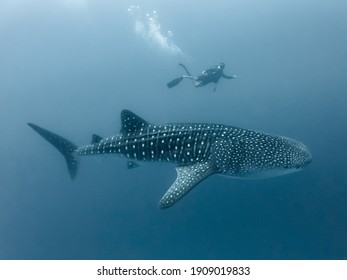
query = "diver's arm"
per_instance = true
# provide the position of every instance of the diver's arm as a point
(228, 77)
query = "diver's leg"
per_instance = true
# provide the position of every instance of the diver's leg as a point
(198, 83)
(185, 68)
(195, 80)
(188, 77)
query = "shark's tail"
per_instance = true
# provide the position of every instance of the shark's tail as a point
(64, 146)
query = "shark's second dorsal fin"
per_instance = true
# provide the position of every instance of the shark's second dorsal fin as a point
(187, 178)
(131, 122)
(96, 139)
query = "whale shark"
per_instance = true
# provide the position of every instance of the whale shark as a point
(198, 151)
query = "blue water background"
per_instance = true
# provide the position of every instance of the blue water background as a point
(72, 66)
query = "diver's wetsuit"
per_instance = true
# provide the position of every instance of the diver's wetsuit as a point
(211, 75)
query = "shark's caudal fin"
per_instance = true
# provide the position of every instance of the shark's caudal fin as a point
(64, 146)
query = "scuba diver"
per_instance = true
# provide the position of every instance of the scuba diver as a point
(211, 75)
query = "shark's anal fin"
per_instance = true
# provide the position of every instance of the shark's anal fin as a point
(187, 178)
(132, 164)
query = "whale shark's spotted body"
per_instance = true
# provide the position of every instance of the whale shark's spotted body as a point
(198, 150)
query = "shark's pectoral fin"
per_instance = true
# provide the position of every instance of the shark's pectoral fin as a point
(187, 178)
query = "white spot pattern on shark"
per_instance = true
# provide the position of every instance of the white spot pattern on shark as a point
(198, 150)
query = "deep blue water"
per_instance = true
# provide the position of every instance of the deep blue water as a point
(72, 66)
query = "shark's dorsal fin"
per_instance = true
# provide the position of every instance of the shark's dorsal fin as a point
(131, 122)
(96, 139)
(187, 178)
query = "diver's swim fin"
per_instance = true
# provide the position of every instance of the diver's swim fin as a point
(174, 82)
